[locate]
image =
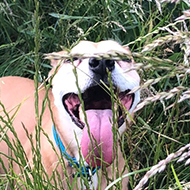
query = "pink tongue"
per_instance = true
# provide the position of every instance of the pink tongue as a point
(100, 151)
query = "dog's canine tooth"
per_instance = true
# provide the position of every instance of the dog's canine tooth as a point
(81, 114)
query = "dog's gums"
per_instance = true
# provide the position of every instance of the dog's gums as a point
(95, 98)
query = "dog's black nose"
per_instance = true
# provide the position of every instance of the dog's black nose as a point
(100, 66)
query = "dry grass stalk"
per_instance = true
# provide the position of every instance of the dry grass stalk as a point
(176, 38)
(115, 55)
(162, 164)
(162, 95)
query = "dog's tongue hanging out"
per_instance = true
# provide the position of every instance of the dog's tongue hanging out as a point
(98, 148)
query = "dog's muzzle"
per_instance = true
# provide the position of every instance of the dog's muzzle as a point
(96, 96)
(98, 109)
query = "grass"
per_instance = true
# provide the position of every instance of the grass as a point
(160, 46)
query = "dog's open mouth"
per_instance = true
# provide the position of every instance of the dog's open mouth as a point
(95, 98)
(97, 139)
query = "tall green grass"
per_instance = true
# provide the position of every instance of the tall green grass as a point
(160, 46)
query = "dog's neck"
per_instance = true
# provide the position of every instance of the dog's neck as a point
(86, 171)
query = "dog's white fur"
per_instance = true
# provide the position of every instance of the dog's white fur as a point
(64, 82)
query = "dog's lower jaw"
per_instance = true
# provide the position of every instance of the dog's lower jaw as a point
(98, 177)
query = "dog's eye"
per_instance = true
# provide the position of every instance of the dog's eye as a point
(127, 60)
(75, 58)
(71, 60)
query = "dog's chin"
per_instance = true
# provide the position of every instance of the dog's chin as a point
(97, 98)
(97, 138)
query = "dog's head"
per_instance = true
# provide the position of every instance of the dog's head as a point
(95, 132)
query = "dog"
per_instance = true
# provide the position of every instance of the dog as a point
(78, 117)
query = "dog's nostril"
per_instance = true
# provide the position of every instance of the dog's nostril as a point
(100, 66)
(94, 62)
(110, 64)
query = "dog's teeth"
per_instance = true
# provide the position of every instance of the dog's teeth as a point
(81, 114)
(115, 106)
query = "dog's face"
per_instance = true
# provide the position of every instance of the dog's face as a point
(94, 133)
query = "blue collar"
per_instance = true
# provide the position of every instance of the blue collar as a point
(85, 171)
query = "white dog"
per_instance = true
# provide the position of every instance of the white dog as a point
(81, 137)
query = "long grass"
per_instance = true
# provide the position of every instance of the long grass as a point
(159, 37)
